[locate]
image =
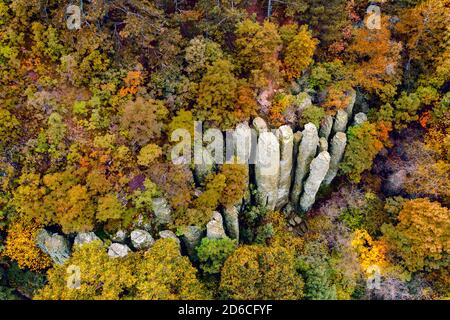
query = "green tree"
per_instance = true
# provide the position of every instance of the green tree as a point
(212, 253)
(362, 147)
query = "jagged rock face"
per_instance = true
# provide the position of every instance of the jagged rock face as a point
(191, 238)
(118, 250)
(360, 118)
(141, 239)
(340, 122)
(325, 127)
(260, 125)
(318, 169)
(323, 144)
(306, 152)
(55, 245)
(119, 236)
(286, 138)
(214, 228)
(167, 234)
(162, 211)
(85, 237)
(337, 148)
(351, 104)
(267, 169)
(231, 218)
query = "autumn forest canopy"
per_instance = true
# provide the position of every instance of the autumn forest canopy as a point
(351, 98)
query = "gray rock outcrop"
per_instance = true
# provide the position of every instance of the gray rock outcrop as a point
(297, 139)
(340, 121)
(162, 211)
(351, 104)
(286, 138)
(85, 237)
(337, 148)
(325, 127)
(318, 169)
(192, 235)
(203, 169)
(214, 228)
(53, 244)
(167, 234)
(118, 250)
(243, 142)
(360, 118)
(119, 236)
(323, 144)
(267, 169)
(306, 152)
(231, 219)
(260, 125)
(141, 239)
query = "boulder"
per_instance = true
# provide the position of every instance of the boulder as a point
(325, 127)
(53, 244)
(360, 118)
(267, 169)
(286, 138)
(141, 239)
(231, 218)
(118, 250)
(85, 237)
(214, 228)
(306, 152)
(337, 148)
(167, 234)
(162, 211)
(340, 121)
(318, 169)
(119, 236)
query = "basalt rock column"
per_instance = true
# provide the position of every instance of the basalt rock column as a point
(267, 169)
(325, 127)
(340, 121)
(318, 169)
(337, 148)
(286, 138)
(306, 152)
